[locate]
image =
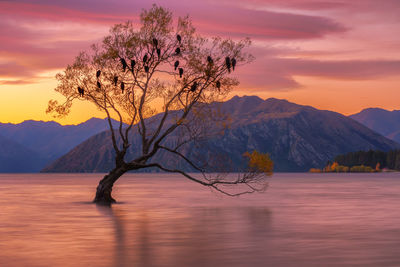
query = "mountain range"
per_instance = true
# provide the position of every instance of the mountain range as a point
(15, 157)
(31, 145)
(382, 121)
(296, 137)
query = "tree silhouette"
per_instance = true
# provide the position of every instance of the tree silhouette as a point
(152, 82)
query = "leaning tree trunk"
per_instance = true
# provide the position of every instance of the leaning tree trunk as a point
(104, 189)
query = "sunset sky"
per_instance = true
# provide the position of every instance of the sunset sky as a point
(331, 54)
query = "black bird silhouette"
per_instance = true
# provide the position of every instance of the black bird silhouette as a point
(179, 38)
(233, 63)
(193, 87)
(115, 80)
(98, 74)
(176, 64)
(122, 87)
(145, 58)
(177, 51)
(124, 65)
(218, 85)
(146, 69)
(210, 60)
(81, 91)
(133, 63)
(228, 64)
(158, 52)
(155, 42)
(180, 72)
(98, 85)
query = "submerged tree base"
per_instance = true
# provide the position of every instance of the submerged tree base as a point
(104, 189)
(106, 201)
(103, 194)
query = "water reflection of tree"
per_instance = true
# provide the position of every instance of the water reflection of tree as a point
(195, 237)
(120, 245)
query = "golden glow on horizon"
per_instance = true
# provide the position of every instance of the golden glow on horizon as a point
(29, 102)
(346, 97)
(25, 102)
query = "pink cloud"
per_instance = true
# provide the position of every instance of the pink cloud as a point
(269, 25)
(317, 5)
(30, 42)
(212, 17)
(276, 74)
(51, 12)
(344, 69)
(18, 82)
(12, 69)
(29, 50)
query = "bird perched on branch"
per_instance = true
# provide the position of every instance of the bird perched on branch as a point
(193, 87)
(122, 87)
(133, 63)
(145, 58)
(176, 64)
(210, 60)
(177, 51)
(158, 52)
(146, 69)
(81, 91)
(98, 85)
(124, 65)
(233, 63)
(179, 38)
(115, 80)
(218, 85)
(98, 74)
(180, 72)
(228, 64)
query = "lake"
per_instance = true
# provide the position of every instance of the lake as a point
(164, 220)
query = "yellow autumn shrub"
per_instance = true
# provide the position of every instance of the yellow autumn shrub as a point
(260, 162)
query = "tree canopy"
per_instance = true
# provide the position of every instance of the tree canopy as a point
(158, 68)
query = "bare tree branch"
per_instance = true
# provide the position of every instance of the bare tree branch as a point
(133, 70)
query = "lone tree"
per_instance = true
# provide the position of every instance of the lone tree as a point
(135, 73)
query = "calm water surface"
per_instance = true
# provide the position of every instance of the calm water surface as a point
(164, 220)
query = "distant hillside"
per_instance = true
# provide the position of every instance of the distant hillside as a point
(47, 140)
(17, 158)
(297, 138)
(382, 121)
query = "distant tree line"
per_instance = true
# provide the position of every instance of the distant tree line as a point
(363, 161)
(335, 167)
(371, 158)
